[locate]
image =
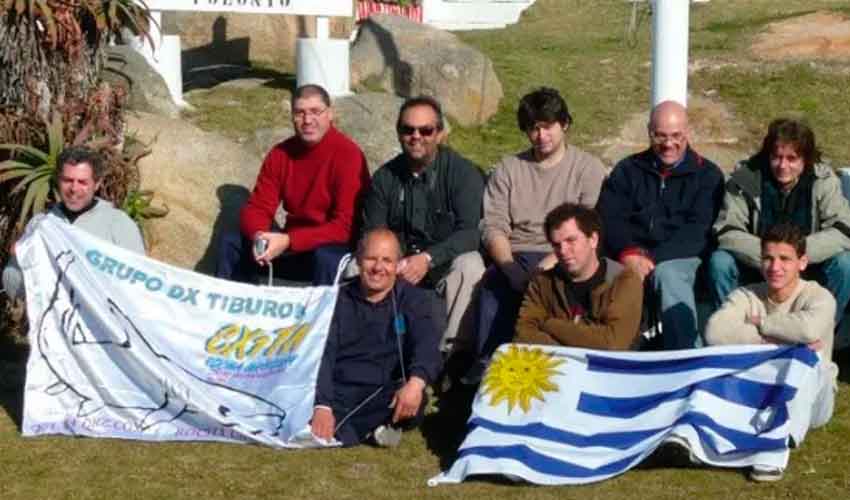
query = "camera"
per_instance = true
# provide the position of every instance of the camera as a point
(260, 246)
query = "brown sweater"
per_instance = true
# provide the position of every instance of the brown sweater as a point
(546, 316)
(520, 193)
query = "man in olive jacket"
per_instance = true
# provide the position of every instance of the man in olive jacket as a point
(584, 301)
(783, 183)
(430, 197)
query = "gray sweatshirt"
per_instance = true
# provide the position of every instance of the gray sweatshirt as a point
(520, 192)
(103, 221)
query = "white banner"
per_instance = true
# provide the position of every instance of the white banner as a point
(552, 415)
(342, 8)
(124, 346)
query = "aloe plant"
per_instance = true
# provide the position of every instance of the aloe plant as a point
(33, 169)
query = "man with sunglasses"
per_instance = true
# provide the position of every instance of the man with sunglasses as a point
(430, 197)
(658, 207)
(318, 175)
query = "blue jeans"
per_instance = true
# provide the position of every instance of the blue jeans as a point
(236, 262)
(727, 274)
(499, 304)
(672, 282)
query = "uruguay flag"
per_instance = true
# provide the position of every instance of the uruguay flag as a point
(554, 415)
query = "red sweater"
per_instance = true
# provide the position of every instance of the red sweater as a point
(319, 187)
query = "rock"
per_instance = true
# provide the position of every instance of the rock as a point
(821, 35)
(407, 59)
(369, 119)
(265, 138)
(715, 133)
(146, 89)
(202, 177)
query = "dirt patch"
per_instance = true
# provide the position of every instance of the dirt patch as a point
(821, 35)
(715, 132)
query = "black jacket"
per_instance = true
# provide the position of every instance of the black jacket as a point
(361, 353)
(437, 212)
(668, 217)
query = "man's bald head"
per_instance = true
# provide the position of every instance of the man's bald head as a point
(378, 234)
(669, 132)
(378, 255)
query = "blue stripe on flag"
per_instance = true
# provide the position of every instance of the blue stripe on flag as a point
(743, 441)
(740, 361)
(747, 393)
(545, 464)
(616, 440)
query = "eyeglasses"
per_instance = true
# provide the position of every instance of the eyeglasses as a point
(301, 114)
(675, 137)
(426, 131)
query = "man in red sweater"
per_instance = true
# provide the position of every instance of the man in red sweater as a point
(318, 174)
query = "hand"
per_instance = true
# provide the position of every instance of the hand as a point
(548, 262)
(278, 243)
(414, 268)
(323, 423)
(640, 264)
(408, 399)
(516, 275)
(754, 319)
(816, 346)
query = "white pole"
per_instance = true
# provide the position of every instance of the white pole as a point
(670, 20)
(324, 60)
(323, 28)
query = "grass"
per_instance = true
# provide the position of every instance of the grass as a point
(60, 467)
(579, 47)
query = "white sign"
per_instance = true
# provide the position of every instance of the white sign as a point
(341, 8)
(124, 346)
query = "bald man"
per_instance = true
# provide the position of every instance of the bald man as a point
(382, 351)
(657, 208)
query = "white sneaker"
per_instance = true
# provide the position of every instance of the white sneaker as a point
(387, 436)
(766, 474)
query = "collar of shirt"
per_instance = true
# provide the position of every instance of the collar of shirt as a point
(665, 171)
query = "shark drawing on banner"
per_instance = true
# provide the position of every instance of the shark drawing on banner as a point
(143, 396)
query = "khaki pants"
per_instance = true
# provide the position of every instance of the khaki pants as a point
(459, 288)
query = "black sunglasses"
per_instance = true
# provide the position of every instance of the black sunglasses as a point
(426, 131)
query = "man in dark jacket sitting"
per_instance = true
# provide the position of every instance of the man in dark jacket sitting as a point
(657, 209)
(381, 353)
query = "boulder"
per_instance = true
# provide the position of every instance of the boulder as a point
(203, 178)
(369, 119)
(715, 134)
(407, 58)
(146, 89)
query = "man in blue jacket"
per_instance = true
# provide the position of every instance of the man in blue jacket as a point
(658, 207)
(381, 353)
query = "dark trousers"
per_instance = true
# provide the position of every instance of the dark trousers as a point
(355, 425)
(236, 262)
(499, 305)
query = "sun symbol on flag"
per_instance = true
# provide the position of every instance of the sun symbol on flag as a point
(518, 375)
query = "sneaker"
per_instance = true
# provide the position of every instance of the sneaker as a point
(766, 474)
(387, 436)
